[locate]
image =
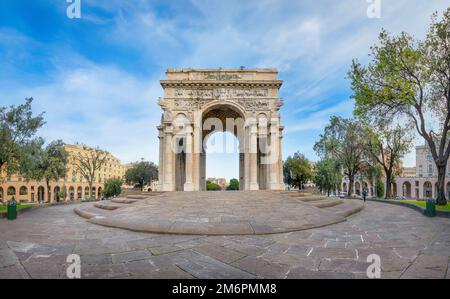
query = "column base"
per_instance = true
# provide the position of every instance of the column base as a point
(253, 186)
(277, 187)
(188, 187)
(167, 187)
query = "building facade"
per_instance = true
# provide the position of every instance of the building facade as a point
(198, 103)
(76, 187)
(419, 182)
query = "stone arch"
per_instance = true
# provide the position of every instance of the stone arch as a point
(72, 193)
(23, 193)
(80, 192)
(357, 188)
(93, 192)
(11, 192)
(41, 193)
(222, 113)
(427, 190)
(100, 192)
(56, 191)
(1, 194)
(344, 187)
(394, 189)
(213, 97)
(447, 189)
(407, 189)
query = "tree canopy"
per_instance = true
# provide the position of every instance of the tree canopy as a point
(88, 162)
(387, 146)
(234, 185)
(297, 170)
(327, 175)
(18, 127)
(49, 163)
(409, 79)
(343, 142)
(141, 173)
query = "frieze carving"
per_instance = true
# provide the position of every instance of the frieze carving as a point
(222, 93)
(254, 104)
(247, 104)
(189, 104)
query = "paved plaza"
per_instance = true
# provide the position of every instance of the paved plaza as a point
(219, 213)
(409, 244)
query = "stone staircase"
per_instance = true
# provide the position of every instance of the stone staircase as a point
(102, 208)
(341, 207)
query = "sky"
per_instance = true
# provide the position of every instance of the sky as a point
(97, 77)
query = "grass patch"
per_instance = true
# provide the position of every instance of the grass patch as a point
(3, 208)
(423, 204)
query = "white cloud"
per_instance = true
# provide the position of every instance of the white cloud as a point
(100, 106)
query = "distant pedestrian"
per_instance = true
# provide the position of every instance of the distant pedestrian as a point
(365, 191)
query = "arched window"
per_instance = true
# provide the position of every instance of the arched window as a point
(23, 190)
(11, 191)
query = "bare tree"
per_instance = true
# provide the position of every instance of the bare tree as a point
(88, 162)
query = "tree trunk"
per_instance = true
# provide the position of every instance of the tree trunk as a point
(440, 198)
(350, 186)
(388, 185)
(49, 195)
(90, 191)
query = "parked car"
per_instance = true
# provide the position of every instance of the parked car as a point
(342, 194)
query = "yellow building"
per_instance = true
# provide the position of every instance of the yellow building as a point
(74, 183)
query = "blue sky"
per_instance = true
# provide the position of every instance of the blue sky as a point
(97, 77)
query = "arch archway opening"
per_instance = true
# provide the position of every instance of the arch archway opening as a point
(407, 190)
(427, 190)
(222, 158)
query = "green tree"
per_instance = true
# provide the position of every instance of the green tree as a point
(343, 141)
(212, 186)
(380, 188)
(297, 170)
(387, 146)
(410, 79)
(18, 127)
(88, 162)
(141, 173)
(234, 185)
(113, 187)
(327, 175)
(49, 164)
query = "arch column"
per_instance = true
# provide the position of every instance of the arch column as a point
(161, 158)
(168, 182)
(280, 160)
(275, 183)
(188, 185)
(253, 157)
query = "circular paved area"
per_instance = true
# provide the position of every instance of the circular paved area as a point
(215, 213)
(409, 245)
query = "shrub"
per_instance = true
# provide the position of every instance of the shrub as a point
(113, 187)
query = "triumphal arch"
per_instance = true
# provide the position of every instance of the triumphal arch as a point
(198, 103)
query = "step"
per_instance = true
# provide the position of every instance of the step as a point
(311, 198)
(325, 203)
(88, 211)
(124, 200)
(347, 208)
(110, 206)
(137, 197)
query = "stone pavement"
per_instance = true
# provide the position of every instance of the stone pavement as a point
(220, 213)
(409, 244)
